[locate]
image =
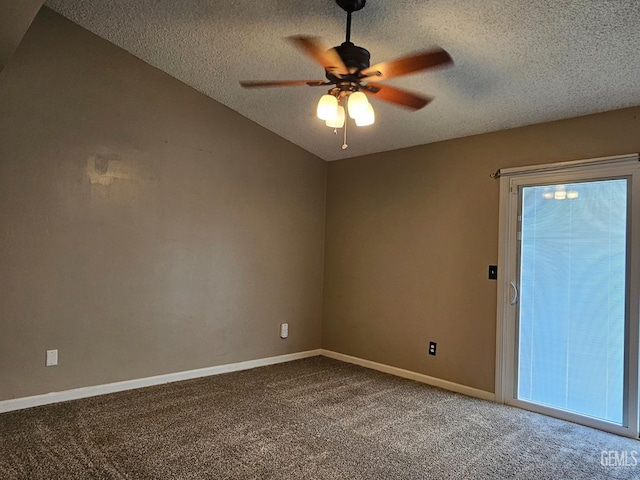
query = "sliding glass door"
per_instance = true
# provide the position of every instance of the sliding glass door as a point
(570, 328)
(571, 322)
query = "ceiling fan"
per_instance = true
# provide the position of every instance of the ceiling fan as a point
(350, 76)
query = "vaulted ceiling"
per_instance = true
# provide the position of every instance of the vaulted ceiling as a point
(517, 62)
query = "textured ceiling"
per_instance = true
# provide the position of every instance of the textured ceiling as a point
(517, 62)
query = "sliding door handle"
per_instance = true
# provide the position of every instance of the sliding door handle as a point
(514, 297)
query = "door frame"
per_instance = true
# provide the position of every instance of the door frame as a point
(510, 180)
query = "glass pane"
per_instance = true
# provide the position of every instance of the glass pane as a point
(572, 304)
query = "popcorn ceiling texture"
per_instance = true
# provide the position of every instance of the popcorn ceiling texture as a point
(516, 63)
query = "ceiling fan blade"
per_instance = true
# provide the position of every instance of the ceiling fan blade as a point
(284, 83)
(410, 64)
(313, 47)
(395, 95)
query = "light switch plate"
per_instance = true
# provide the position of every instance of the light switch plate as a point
(493, 272)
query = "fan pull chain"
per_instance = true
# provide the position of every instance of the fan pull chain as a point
(344, 142)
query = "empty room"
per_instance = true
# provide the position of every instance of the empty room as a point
(330, 239)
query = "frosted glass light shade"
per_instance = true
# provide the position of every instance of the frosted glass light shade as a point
(357, 104)
(328, 108)
(367, 118)
(339, 121)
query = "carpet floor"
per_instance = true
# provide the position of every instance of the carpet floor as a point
(310, 419)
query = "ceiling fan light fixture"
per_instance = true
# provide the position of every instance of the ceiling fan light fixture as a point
(328, 108)
(368, 118)
(357, 105)
(348, 70)
(339, 121)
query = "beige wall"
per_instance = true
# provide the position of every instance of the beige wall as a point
(144, 228)
(15, 18)
(410, 235)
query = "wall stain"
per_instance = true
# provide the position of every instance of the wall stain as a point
(189, 146)
(105, 167)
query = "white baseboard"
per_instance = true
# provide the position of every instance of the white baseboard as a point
(76, 393)
(84, 392)
(418, 377)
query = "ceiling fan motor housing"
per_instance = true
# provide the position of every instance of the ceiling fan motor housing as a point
(351, 5)
(355, 59)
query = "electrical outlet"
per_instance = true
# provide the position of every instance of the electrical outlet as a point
(284, 330)
(432, 348)
(52, 358)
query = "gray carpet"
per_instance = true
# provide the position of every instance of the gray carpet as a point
(310, 419)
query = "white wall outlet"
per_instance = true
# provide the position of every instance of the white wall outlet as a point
(284, 330)
(52, 358)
